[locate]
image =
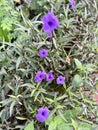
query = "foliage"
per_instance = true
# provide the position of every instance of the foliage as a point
(8, 16)
(73, 53)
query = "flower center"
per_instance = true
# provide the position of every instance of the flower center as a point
(50, 23)
(40, 76)
(43, 113)
(50, 76)
(43, 53)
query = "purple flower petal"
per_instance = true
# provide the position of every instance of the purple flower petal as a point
(49, 76)
(43, 53)
(43, 114)
(40, 118)
(40, 75)
(50, 22)
(49, 34)
(72, 4)
(60, 80)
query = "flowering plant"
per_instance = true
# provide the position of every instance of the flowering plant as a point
(48, 65)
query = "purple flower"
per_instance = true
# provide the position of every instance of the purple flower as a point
(60, 80)
(40, 75)
(50, 22)
(49, 76)
(43, 114)
(72, 4)
(43, 53)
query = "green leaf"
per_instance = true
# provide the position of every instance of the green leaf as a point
(11, 107)
(84, 126)
(78, 63)
(52, 126)
(48, 121)
(74, 124)
(6, 24)
(77, 81)
(30, 126)
(58, 120)
(62, 115)
(58, 123)
(21, 118)
(71, 114)
(18, 62)
(64, 127)
(90, 67)
(50, 100)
